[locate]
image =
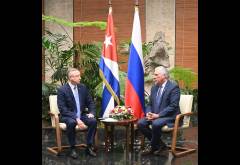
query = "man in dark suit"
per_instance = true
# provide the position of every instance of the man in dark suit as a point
(72, 99)
(162, 110)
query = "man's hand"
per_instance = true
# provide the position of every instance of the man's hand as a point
(151, 116)
(90, 115)
(80, 124)
(148, 115)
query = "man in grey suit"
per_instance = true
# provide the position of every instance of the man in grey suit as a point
(162, 110)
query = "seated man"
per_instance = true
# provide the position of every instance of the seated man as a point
(162, 110)
(72, 99)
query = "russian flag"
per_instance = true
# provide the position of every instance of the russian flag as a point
(134, 93)
(108, 70)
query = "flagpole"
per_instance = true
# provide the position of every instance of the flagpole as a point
(108, 69)
(134, 88)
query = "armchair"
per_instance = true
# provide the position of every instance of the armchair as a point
(185, 104)
(59, 127)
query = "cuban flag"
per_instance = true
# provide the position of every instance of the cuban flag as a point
(108, 70)
(134, 93)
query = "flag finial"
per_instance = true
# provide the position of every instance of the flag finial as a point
(136, 3)
(110, 3)
(110, 6)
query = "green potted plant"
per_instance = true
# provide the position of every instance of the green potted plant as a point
(187, 77)
(59, 59)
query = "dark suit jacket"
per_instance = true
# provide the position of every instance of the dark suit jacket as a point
(169, 105)
(66, 102)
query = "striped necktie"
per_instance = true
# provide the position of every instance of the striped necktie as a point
(158, 96)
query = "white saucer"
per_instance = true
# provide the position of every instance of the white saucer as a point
(109, 120)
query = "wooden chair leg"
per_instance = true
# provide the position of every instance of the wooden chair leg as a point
(142, 138)
(52, 150)
(58, 138)
(179, 151)
(96, 139)
(58, 149)
(174, 140)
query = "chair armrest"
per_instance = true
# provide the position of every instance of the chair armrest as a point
(179, 116)
(53, 115)
(56, 118)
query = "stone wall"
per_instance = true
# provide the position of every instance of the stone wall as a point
(160, 16)
(62, 9)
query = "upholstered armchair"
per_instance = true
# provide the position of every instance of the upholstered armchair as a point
(185, 104)
(60, 127)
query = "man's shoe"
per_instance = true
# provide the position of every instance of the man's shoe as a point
(162, 151)
(147, 150)
(73, 154)
(89, 151)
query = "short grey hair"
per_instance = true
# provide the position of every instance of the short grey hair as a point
(162, 70)
(71, 70)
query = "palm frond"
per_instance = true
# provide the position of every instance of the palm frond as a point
(99, 24)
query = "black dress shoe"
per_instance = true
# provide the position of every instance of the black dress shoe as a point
(147, 150)
(73, 154)
(162, 151)
(89, 151)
